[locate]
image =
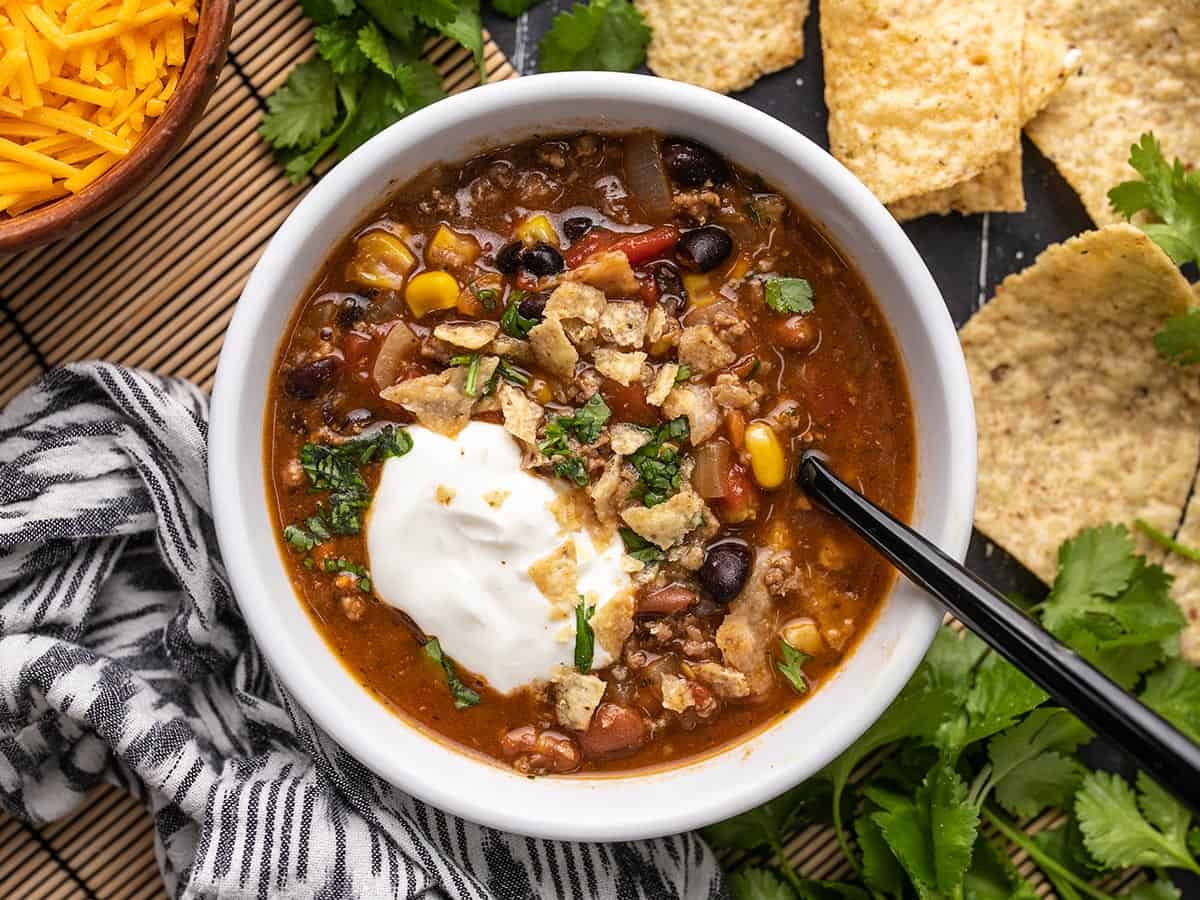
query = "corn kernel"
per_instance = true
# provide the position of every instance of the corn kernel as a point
(429, 291)
(803, 634)
(450, 250)
(381, 260)
(537, 230)
(699, 290)
(767, 460)
(541, 391)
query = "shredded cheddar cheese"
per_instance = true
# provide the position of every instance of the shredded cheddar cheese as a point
(80, 82)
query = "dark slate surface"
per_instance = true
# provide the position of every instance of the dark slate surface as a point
(968, 255)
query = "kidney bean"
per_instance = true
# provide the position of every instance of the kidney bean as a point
(311, 379)
(615, 731)
(666, 601)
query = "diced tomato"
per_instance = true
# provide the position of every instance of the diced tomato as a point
(628, 404)
(647, 245)
(740, 498)
(648, 290)
(593, 242)
(356, 348)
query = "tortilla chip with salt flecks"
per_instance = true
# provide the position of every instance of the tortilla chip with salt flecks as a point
(1140, 71)
(922, 94)
(723, 45)
(1080, 420)
(1047, 61)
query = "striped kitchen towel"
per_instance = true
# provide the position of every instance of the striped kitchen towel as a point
(124, 659)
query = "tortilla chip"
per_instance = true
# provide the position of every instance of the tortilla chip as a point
(1080, 421)
(922, 94)
(723, 45)
(1047, 61)
(1140, 71)
(1186, 589)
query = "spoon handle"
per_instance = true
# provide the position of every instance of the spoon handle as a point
(1170, 757)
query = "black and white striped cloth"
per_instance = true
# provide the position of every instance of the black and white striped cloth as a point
(124, 659)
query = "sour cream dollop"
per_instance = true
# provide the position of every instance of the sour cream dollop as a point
(452, 530)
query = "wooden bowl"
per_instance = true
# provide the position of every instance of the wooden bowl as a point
(126, 179)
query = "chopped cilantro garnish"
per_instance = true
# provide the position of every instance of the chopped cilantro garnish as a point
(639, 548)
(684, 373)
(512, 322)
(791, 664)
(335, 468)
(471, 361)
(463, 695)
(512, 374)
(608, 35)
(752, 212)
(341, 564)
(1170, 193)
(585, 638)
(487, 297)
(1179, 339)
(585, 426)
(658, 463)
(788, 295)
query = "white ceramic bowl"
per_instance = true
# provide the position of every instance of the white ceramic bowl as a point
(604, 807)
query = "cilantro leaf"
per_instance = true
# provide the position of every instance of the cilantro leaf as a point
(337, 42)
(466, 27)
(380, 104)
(303, 109)
(608, 35)
(585, 638)
(758, 884)
(933, 833)
(639, 548)
(766, 825)
(1118, 834)
(1170, 193)
(1155, 890)
(658, 463)
(513, 8)
(324, 11)
(1179, 339)
(372, 45)
(998, 695)
(1029, 769)
(420, 83)
(342, 565)
(1174, 693)
(792, 666)
(393, 17)
(512, 322)
(463, 695)
(880, 869)
(788, 295)
(1097, 563)
(992, 876)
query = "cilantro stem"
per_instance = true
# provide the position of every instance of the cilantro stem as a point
(840, 830)
(1047, 863)
(786, 867)
(1165, 541)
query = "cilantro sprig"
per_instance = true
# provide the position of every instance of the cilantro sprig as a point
(791, 665)
(1170, 194)
(639, 548)
(788, 295)
(607, 35)
(368, 74)
(584, 426)
(970, 740)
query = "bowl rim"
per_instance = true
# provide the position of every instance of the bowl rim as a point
(125, 180)
(676, 798)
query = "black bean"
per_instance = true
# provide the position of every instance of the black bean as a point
(671, 292)
(351, 311)
(692, 164)
(726, 568)
(703, 249)
(576, 227)
(532, 305)
(313, 378)
(541, 260)
(508, 260)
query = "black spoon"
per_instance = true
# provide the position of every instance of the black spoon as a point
(1150, 740)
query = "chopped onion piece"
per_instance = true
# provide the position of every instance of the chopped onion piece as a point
(712, 464)
(645, 175)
